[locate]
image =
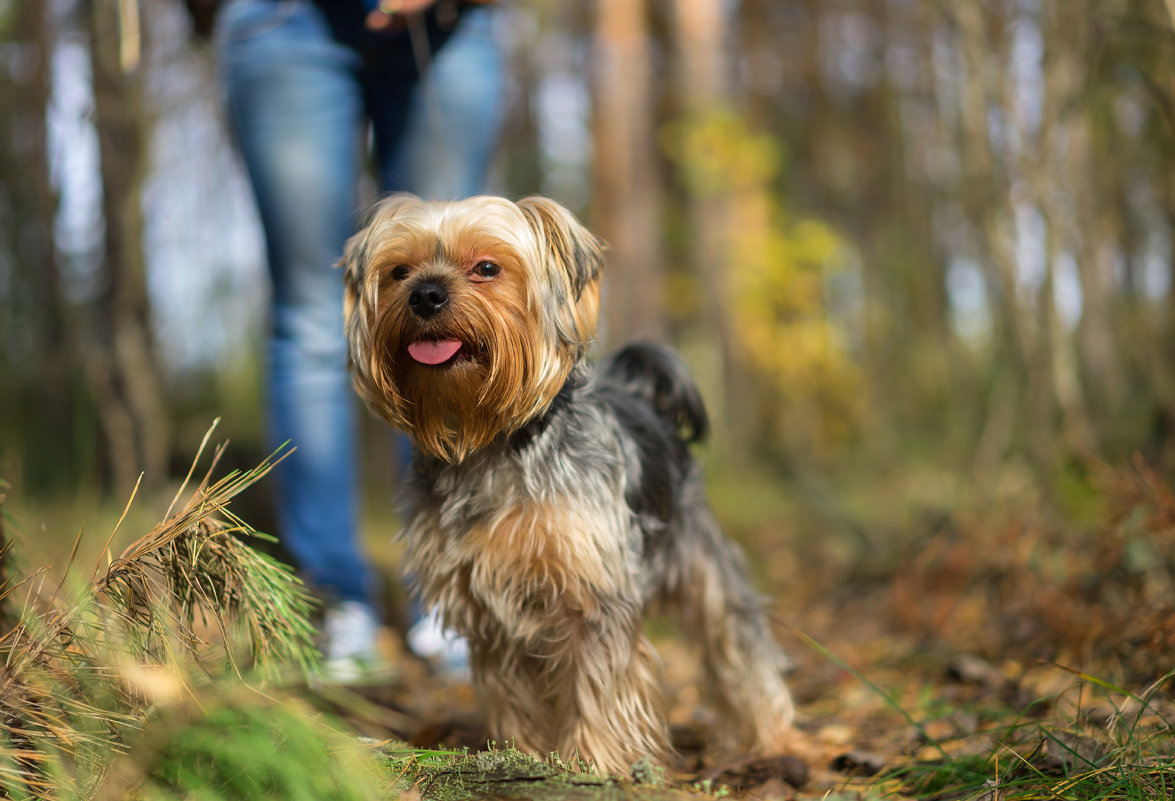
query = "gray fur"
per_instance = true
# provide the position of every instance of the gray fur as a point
(559, 654)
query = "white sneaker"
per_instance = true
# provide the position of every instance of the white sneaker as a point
(349, 632)
(444, 648)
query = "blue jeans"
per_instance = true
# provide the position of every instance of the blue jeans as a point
(300, 90)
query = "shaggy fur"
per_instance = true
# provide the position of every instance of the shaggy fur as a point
(549, 505)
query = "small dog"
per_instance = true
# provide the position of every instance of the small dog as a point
(549, 505)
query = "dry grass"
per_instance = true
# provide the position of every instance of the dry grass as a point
(87, 660)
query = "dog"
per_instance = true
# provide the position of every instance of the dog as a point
(549, 505)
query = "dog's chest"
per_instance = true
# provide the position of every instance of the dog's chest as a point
(518, 542)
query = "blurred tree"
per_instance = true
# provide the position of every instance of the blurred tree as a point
(626, 189)
(774, 267)
(120, 356)
(699, 33)
(522, 161)
(1025, 142)
(38, 363)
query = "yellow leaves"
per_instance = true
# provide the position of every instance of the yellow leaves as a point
(154, 684)
(775, 278)
(718, 152)
(817, 243)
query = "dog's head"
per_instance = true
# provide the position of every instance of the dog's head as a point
(465, 318)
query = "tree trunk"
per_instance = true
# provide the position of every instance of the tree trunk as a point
(1065, 74)
(121, 360)
(626, 202)
(699, 32)
(35, 332)
(985, 200)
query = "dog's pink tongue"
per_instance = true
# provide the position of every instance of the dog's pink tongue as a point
(430, 352)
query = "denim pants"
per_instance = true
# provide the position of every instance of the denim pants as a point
(303, 86)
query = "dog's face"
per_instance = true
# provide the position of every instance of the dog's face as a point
(464, 319)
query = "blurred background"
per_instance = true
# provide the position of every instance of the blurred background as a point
(918, 252)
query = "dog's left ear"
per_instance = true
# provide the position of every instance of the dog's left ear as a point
(567, 243)
(357, 253)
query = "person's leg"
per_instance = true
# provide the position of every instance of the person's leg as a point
(453, 117)
(295, 109)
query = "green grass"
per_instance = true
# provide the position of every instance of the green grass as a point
(246, 746)
(1130, 755)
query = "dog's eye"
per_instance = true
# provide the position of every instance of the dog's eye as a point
(485, 270)
(400, 272)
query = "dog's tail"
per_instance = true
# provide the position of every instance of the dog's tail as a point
(658, 375)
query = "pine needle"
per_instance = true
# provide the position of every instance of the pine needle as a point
(79, 675)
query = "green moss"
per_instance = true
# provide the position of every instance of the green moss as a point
(248, 748)
(509, 773)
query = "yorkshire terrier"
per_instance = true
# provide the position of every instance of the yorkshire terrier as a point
(549, 505)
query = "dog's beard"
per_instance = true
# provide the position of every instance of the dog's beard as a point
(497, 381)
(443, 404)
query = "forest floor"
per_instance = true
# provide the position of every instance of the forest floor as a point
(953, 649)
(997, 653)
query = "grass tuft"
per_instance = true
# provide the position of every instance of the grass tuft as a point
(1058, 759)
(162, 653)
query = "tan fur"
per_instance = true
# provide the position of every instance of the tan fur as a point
(749, 691)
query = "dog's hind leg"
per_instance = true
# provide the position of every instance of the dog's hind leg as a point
(706, 578)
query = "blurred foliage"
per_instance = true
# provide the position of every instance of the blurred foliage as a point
(1002, 652)
(248, 747)
(775, 286)
(894, 235)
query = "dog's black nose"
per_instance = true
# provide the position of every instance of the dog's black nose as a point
(427, 299)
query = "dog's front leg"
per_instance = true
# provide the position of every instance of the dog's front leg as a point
(613, 709)
(587, 684)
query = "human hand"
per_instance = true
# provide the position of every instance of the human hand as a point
(389, 14)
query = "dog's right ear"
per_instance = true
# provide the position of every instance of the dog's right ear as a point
(352, 276)
(573, 259)
(357, 251)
